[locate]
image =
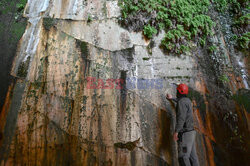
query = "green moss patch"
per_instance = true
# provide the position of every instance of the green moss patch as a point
(243, 41)
(90, 19)
(48, 23)
(145, 58)
(23, 68)
(224, 78)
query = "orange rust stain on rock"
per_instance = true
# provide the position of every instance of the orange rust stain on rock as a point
(200, 85)
(210, 153)
(197, 117)
(203, 128)
(208, 124)
(165, 138)
(239, 82)
(4, 111)
(147, 40)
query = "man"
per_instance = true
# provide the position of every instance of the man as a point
(184, 130)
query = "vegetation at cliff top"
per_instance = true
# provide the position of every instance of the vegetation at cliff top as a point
(242, 23)
(182, 20)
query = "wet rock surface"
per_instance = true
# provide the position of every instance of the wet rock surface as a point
(93, 93)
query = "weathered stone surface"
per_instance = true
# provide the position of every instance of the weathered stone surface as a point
(104, 34)
(64, 119)
(11, 118)
(74, 10)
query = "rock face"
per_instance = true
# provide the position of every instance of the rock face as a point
(89, 92)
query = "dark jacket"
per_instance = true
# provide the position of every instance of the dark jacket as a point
(184, 115)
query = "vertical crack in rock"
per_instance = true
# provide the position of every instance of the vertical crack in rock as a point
(85, 56)
(123, 92)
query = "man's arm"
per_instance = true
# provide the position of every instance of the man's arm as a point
(170, 97)
(180, 116)
(174, 99)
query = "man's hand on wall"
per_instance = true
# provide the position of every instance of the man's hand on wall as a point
(169, 96)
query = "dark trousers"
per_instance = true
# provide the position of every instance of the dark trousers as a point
(186, 149)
